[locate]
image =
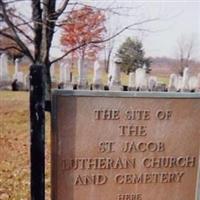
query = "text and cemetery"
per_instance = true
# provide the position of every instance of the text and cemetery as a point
(120, 146)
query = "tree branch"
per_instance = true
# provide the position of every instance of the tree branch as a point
(62, 8)
(14, 1)
(24, 22)
(10, 47)
(12, 27)
(19, 30)
(102, 41)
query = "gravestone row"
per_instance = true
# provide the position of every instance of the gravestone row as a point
(138, 81)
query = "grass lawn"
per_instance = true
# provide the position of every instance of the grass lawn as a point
(14, 147)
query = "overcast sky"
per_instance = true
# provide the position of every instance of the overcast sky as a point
(176, 19)
(184, 22)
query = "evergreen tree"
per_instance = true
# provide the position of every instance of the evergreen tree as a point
(131, 54)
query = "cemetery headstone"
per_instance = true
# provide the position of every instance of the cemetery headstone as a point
(110, 72)
(16, 65)
(19, 76)
(52, 72)
(179, 83)
(152, 83)
(131, 81)
(4, 67)
(61, 73)
(115, 82)
(97, 78)
(193, 83)
(67, 77)
(82, 75)
(185, 80)
(141, 79)
(173, 79)
(198, 84)
(27, 82)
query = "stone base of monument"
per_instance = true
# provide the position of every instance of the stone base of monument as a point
(97, 87)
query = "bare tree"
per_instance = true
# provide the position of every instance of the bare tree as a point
(185, 50)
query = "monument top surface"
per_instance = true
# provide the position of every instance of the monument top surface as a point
(102, 93)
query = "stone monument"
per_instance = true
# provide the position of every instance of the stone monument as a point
(125, 145)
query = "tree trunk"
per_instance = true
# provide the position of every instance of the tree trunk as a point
(47, 79)
(37, 125)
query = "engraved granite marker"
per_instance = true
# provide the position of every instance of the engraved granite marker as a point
(125, 145)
